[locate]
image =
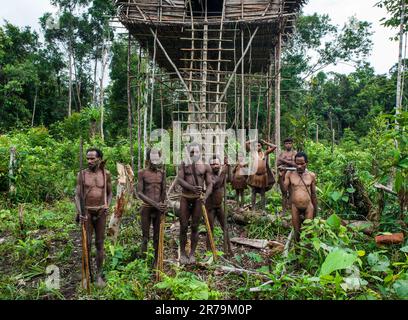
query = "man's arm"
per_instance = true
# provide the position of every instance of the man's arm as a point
(109, 188)
(314, 195)
(283, 161)
(78, 194)
(140, 189)
(270, 150)
(184, 183)
(208, 182)
(286, 183)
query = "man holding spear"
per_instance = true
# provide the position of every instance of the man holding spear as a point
(192, 176)
(93, 197)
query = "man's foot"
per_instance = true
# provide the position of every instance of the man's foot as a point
(100, 283)
(192, 260)
(184, 260)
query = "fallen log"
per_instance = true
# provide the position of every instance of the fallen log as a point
(395, 238)
(254, 243)
(247, 217)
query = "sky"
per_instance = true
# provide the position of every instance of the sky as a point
(384, 54)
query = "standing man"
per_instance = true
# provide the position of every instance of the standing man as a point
(239, 179)
(285, 160)
(215, 200)
(301, 185)
(262, 177)
(94, 187)
(151, 189)
(192, 177)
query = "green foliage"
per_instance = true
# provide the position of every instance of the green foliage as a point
(187, 286)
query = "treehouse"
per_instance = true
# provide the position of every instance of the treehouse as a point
(211, 47)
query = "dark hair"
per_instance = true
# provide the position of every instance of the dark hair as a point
(288, 140)
(301, 155)
(98, 152)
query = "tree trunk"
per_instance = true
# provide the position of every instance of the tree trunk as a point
(70, 79)
(12, 165)
(129, 102)
(94, 102)
(400, 71)
(102, 88)
(34, 106)
(278, 95)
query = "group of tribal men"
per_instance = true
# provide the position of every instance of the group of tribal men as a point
(201, 184)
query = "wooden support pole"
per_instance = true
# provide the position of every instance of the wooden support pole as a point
(129, 102)
(269, 96)
(139, 115)
(278, 49)
(153, 82)
(242, 82)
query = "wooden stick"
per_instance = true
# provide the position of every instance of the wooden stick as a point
(241, 271)
(209, 231)
(384, 188)
(160, 249)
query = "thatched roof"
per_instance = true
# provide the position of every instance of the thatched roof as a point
(173, 22)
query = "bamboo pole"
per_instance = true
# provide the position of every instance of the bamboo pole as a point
(139, 115)
(129, 102)
(277, 94)
(242, 82)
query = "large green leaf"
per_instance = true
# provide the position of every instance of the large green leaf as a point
(334, 221)
(401, 288)
(335, 195)
(403, 163)
(338, 259)
(378, 262)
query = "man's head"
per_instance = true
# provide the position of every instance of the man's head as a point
(288, 142)
(94, 157)
(215, 164)
(153, 157)
(301, 162)
(259, 146)
(194, 151)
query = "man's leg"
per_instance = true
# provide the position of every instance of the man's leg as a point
(184, 217)
(100, 225)
(309, 212)
(296, 222)
(195, 222)
(145, 222)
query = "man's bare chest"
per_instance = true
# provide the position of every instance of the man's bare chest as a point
(301, 180)
(92, 180)
(199, 171)
(151, 177)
